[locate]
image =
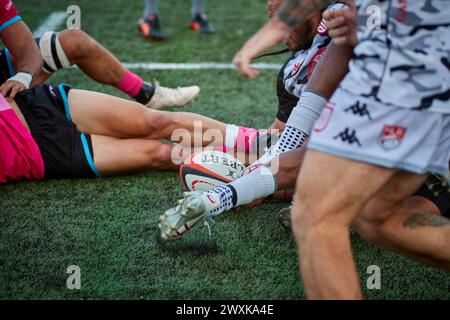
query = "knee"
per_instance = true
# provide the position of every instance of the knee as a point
(164, 153)
(156, 122)
(307, 219)
(371, 226)
(77, 44)
(160, 156)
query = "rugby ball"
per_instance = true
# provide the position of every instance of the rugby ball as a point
(208, 169)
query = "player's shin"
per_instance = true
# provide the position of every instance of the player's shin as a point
(299, 125)
(301, 122)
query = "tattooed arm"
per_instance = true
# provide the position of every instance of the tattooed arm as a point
(291, 14)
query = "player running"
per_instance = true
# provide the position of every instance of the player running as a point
(376, 160)
(74, 47)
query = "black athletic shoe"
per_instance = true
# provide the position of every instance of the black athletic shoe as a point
(150, 29)
(201, 24)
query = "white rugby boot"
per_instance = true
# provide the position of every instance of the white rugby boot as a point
(193, 209)
(167, 97)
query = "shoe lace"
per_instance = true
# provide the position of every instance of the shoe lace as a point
(206, 223)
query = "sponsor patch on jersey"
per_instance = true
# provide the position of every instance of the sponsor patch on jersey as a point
(392, 137)
(325, 117)
(295, 69)
(322, 29)
(315, 60)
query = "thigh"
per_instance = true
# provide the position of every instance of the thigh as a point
(335, 187)
(115, 156)
(393, 195)
(101, 114)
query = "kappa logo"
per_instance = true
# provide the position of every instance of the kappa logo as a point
(349, 136)
(359, 109)
(52, 90)
(325, 117)
(392, 137)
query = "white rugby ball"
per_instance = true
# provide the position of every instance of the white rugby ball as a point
(208, 169)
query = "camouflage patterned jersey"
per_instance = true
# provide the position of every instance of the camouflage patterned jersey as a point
(299, 68)
(406, 61)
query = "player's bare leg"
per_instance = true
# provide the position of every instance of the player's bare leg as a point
(412, 228)
(114, 156)
(101, 114)
(93, 59)
(75, 47)
(323, 211)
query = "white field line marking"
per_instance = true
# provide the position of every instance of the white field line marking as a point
(55, 19)
(53, 22)
(196, 66)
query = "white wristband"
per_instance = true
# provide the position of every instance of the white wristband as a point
(24, 78)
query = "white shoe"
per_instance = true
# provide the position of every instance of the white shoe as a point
(168, 97)
(193, 209)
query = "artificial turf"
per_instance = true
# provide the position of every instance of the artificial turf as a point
(107, 226)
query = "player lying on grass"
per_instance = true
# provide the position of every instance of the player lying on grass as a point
(74, 47)
(69, 133)
(374, 161)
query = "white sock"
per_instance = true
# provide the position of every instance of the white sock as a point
(258, 184)
(231, 134)
(301, 122)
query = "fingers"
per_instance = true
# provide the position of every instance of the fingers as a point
(11, 88)
(14, 91)
(243, 66)
(4, 89)
(342, 26)
(337, 22)
(348, 3)
(339, 32)
(329, 15)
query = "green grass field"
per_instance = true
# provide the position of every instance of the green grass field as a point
(108, 226)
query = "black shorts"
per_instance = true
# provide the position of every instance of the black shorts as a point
(286, 101)
(6, 67)
(67, 153)
(442, 200)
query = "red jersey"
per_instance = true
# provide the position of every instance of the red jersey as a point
(8, 14)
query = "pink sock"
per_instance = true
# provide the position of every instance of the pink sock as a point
(130, 84)
(245, 139)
